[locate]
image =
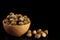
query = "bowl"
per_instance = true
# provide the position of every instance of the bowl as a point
(16, 30)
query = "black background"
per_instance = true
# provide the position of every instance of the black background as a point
(36, 12)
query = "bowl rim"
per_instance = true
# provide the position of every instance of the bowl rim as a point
(16, 25)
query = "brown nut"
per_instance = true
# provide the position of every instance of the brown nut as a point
(25, 16)
(8, 22)
(13, 16)
(39, 30)
(34, 32)
(21, 23)
(29, 34)
(11, 19)
(13, 23)
(28, 19)
(19, 15)
(43, 34)
(8, 16)
(46, 31)
(15, 19)
(21, 18)
(11, 13)
(25, 22)
(38, 36)
(29, 31)
(5, 20)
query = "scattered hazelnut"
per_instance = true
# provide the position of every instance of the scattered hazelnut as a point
(34, 32)
(43, 34)
(29, 34)
(38, 36)
(46, 31)
(29, 31)
(39, 30)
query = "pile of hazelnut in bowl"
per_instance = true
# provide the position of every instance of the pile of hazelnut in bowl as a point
(16, 24)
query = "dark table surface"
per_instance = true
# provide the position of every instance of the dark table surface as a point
(5, 36)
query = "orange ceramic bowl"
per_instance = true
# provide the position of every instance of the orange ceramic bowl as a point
(16, 30)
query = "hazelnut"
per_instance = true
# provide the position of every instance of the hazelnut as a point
(29, 31)
(34, 32)
(13, 22)
(25, 22)
(11, 13)
(43, 34)
(8, 22)
(38, 36)
(28, 19)
(11, 19)
(21, 23)
(5, 20)
(21, 18)
(15, 19)
(19, 15)
(39, 30)
(29, 34)
(8, 16)
(46, 31)
(25, 16)
(13, 16)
